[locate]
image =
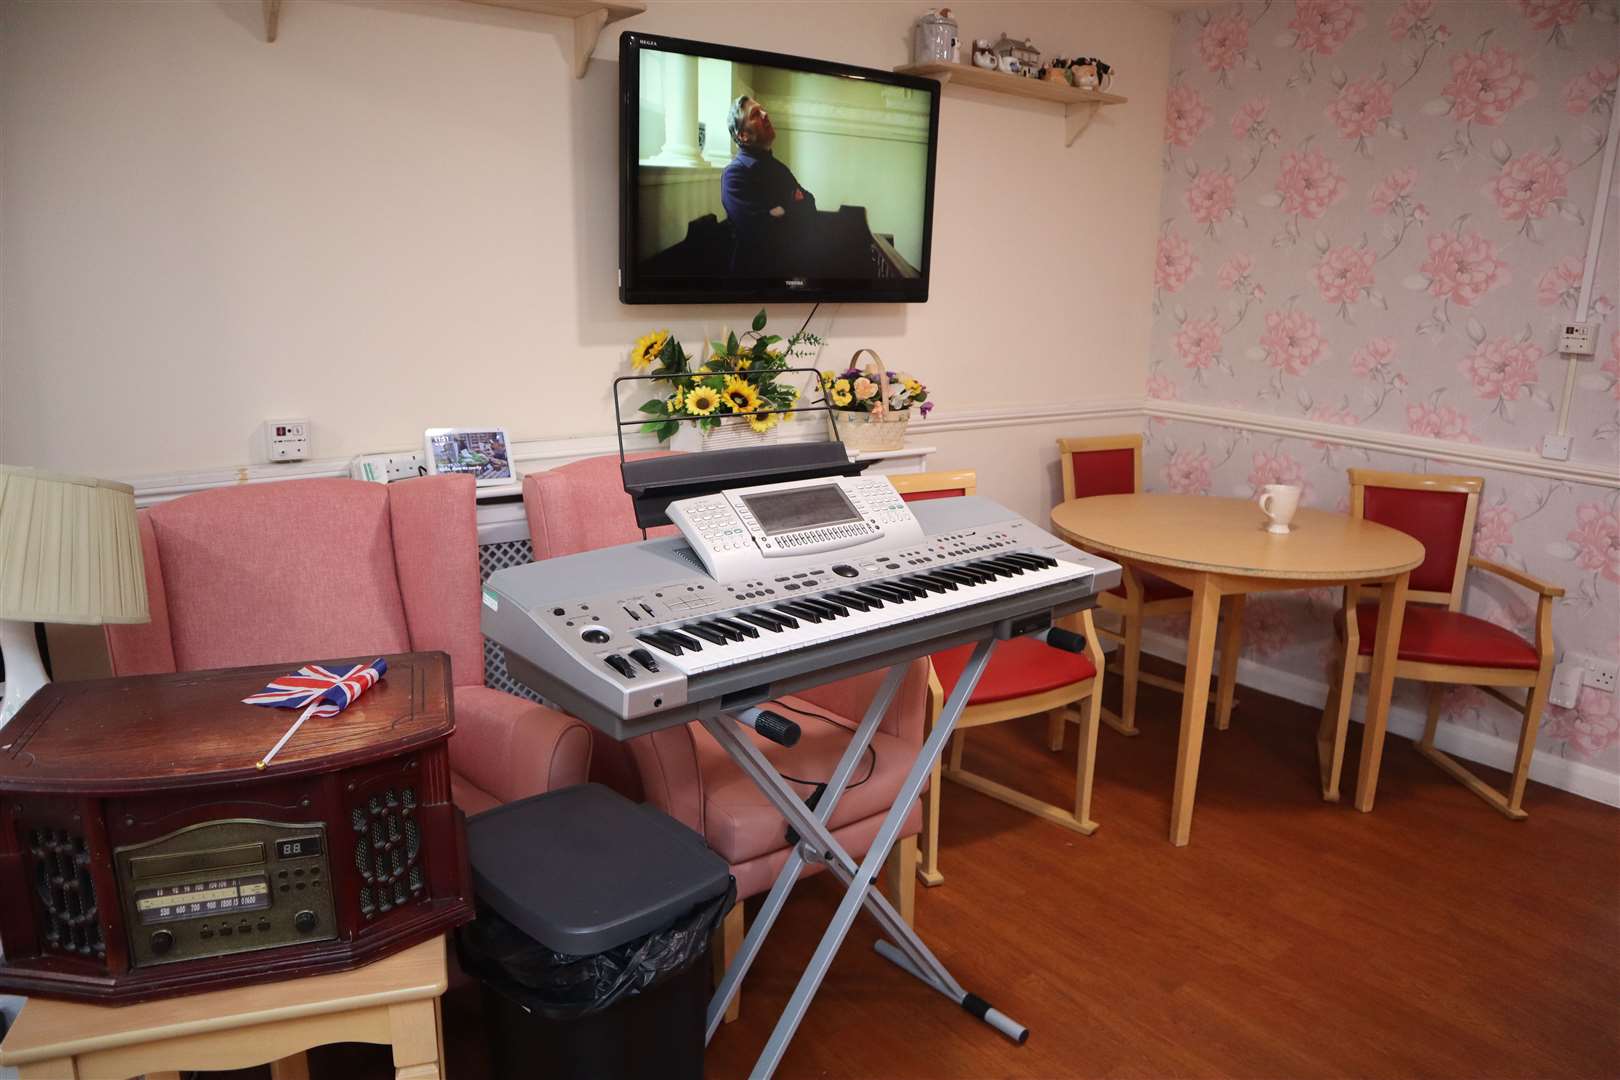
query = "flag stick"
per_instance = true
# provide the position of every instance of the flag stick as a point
(265, 761)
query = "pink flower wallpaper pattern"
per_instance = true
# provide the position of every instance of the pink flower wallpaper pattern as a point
(1376, 216)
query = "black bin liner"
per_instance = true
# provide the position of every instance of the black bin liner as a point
(560, 986)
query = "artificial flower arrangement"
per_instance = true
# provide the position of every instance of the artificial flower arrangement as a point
(859, 389)
(737, 377)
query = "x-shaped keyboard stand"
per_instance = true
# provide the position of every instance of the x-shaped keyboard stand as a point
(816, 842)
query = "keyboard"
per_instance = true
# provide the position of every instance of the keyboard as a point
(638, 637)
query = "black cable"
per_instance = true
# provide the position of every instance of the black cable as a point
(814, 308)
(821, 784)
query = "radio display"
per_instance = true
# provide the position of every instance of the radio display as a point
(198, 899)
(800, 508)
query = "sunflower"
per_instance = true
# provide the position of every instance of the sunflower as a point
(763, 422)
(702, 400)
(744, 363)
(677, 402)
(841, 393)
(742, 397)
(647, 349)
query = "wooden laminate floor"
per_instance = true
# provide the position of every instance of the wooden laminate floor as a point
(1293, 938)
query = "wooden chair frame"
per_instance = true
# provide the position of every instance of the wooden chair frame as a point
(1057, 704)
(1134, 606)
(1336, 715)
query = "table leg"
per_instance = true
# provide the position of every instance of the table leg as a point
(1231, 646)
(418, 1049)
(1206, 611)
(1386, 647)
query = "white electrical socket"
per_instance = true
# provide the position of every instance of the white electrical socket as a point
(1596, 673)
(286, 440)
(1579, 339)
(1566, 684)
(386, 468)
(1555, 447)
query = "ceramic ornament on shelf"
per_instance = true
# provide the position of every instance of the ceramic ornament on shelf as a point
(983, 55)
(934, 39)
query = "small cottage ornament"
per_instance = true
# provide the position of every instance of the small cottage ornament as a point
(1024, 56)
(934, 39)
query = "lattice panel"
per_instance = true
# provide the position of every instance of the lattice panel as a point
(493, 557)
(67, 895)
(388, 851)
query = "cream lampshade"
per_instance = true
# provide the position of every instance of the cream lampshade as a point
(70, 552)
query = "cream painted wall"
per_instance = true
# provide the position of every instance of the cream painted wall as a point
(404, 215)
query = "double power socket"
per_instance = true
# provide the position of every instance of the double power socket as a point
(1578, 670)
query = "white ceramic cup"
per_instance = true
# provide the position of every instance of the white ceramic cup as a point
(1278, 502)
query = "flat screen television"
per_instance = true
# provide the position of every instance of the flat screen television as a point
(753, 176)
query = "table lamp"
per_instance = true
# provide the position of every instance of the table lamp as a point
(70, 552)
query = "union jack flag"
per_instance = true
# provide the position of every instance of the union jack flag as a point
(312, 683)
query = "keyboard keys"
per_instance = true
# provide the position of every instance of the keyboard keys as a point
(871, 595)
(783, 617)
(690, 644)
(742, 630)
(849, 599)
(661, 643)
(761, 620)
(713, 637)
(809, 614)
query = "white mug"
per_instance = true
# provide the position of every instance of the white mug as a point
(1278, 502)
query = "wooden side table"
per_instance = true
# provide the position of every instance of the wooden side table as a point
(394, 1002)
(1218, 548)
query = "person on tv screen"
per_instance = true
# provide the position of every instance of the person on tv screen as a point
(764, 202)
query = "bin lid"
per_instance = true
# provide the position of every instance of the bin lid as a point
(583, 869)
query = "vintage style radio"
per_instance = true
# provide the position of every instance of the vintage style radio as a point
(142, 853)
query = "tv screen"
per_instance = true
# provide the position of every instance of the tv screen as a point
(754, 176)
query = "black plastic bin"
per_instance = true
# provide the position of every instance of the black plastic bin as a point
(592, 937)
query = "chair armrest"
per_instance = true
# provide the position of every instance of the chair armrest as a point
(850, 698)
(1515, 576)
(513, 748)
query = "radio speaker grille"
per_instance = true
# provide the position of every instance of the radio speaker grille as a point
(388, 851)
(69, 919)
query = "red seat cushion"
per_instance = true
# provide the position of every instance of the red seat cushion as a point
(1433, 635)
(1154, 588)
(1017, 668)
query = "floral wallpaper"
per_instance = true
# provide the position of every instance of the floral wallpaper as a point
(1376, 216)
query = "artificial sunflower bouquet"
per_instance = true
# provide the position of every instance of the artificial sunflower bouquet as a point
(737, 377)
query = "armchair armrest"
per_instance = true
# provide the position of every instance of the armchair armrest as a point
(1515, 576)
(513, 748)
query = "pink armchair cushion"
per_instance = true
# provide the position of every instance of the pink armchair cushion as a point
(436, 562)
(740, 824)
(145, 648)
(262, 573)
(507, 748)
(757, 875)
(582, 506)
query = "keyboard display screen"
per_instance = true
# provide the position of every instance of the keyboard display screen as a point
(801, 508)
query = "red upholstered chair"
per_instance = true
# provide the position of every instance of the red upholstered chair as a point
(1023, 677)
(1112, 465)
(1439, 643)
(302, 570)
(685, 773)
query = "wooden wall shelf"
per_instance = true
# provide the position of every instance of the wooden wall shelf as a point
(588, 17)
(1079, 106)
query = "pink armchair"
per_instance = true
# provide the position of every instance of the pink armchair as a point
(304, 569)
(686, 774)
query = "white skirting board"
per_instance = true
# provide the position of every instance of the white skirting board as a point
(1470, 744)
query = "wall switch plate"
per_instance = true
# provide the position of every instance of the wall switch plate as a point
(1566, 685)
(286, 440)
(1556, 447)
(1579, 339)
(1596, 673)
(386, 468)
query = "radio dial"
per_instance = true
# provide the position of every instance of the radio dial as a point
(162, 941)
(305, 921)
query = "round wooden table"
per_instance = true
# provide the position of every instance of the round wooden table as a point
(1219, 547)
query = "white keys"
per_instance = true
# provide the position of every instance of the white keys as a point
(715, 656)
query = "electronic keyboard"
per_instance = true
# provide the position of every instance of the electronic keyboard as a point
(639, 637)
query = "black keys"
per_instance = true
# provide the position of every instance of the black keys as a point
(885, 591)
(702, 630)
(940, 580)
(809, 614)
(786, 618)
(741, 629)
(826, 607)
(644, 658)
(690, 644)
(961, 577)
(661, 642)
(1006, 565)
(762, 620)
(849, 599)
(927, 582)
(621, 665)
(871, 595)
